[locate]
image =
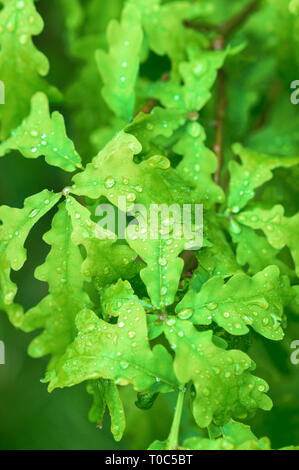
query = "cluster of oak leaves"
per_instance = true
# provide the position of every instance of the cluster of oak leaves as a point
(95, 326)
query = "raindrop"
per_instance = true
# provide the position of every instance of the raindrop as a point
(212, 306)
(162, 261)
(235, 209)
(185, 314)
(23, 39)
(10, 27)
(33, 213)
(109, 182)
(131, 197)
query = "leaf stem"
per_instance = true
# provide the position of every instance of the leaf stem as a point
(173, 438)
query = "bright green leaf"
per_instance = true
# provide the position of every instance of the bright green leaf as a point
(118, 352)
(224, 385)
(22, 66)
(43, 134)
(255, 169)
(119, 67)
(239, 302)
(15, 228)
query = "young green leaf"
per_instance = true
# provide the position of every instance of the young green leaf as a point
(240, 302)
(164, 268)
(280, 231)
(255, 170)
(236, 436)
(114, 174)
(198, 164)
(163, 25)
(118, 352)
(113, 260)
(224, 385)
(43, 134)
(105, 393)
(56, 312)
(22, 66)
(119, 67)
(256, 251)
(15, 228)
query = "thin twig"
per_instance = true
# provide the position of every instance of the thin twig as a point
(229, 27)
(220, 116)
(150, 104)
(219, 43)
(201, 26)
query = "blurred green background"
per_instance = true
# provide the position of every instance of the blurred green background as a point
(30, 417)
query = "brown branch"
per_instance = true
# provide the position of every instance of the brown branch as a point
(226, 29)
(229, 27)
(219, 121)
(147, 108)
(201, 26)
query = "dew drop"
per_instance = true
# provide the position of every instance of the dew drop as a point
(109, 182)
(194, 129)
(235, 227)
(10, 27)
(33, 213)
(185, 314)
(9, 297)
(212, 306)
(131, 197)
(23, 39)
